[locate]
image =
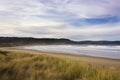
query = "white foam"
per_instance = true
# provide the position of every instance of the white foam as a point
(90, 50)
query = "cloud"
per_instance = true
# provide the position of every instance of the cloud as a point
(107, 31)
(74, 19)
(94, 8)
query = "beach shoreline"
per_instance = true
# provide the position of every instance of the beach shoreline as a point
(98, 61)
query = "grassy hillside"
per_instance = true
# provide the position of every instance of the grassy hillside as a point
(24, 66)
(20, 41)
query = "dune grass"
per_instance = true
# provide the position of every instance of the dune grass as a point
(24, 66)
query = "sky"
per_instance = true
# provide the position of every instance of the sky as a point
(72, 19)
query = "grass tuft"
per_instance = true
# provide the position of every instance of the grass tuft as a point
(3, 52)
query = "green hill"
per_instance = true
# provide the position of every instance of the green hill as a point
(21, 41)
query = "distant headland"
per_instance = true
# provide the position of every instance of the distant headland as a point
(21, 41)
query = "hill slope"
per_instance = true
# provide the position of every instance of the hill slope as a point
(16, 41)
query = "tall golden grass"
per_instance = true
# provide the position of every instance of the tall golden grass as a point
(24, 66)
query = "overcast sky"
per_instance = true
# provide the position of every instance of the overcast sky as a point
(73, 19)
